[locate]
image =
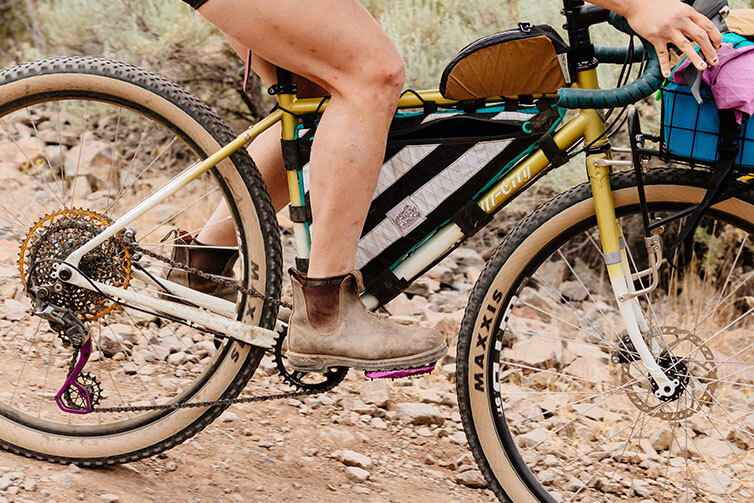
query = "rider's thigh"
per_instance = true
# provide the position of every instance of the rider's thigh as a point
(335, 43)
(266, 72)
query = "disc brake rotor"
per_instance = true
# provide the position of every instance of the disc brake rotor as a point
(693, 363)
(56, 236)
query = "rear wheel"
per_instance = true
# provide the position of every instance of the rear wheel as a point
(81, 142)
(556, 406)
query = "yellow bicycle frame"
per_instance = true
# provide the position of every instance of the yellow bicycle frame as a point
(586, 124)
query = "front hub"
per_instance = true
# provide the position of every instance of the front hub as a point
(685, 360)
(677, 371)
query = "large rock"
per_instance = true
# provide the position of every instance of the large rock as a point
(22, 152)
(95, 161)
(403, 306)
(376, 393)
(589, 369)
(352, 458)
(468, 257)
(110, 343)
(13, 310)
(356, 474)
(661, 439)
(471, 478)
(717, 482)
(8, 252)
(419, 413)
(533, 438)
(537, 352)
(449, 324)
(573, 291)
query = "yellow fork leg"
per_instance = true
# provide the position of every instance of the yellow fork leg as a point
(618, 270)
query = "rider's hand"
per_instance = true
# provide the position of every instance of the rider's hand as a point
(662, 22)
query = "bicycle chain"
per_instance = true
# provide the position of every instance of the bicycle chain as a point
(198, 272)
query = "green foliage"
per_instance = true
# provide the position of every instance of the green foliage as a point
(15, 29)
(165, 36)
(168, 37)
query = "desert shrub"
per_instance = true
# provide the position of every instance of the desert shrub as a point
(165, 36)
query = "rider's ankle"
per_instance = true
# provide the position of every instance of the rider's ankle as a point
(322, 296)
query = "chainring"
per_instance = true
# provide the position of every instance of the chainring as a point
(305, 381)
(52, 239)
(701, 372)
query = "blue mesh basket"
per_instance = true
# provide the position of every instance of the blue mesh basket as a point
(690, 131)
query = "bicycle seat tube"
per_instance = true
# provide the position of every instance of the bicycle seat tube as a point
(286, 90)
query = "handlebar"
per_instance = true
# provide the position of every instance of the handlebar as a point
(618, 55)
(641, 88)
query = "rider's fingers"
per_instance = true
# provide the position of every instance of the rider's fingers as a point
(701, 37)
(709, 27)
(661, 48)
(687, 48)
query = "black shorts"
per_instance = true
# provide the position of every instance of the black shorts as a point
(195, 3)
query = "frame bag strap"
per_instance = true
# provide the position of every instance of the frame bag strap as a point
(554, 154)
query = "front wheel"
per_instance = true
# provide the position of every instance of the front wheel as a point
(556, 406)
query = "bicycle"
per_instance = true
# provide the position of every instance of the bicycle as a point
(96, 280)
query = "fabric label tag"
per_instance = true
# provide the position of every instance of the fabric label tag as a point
(406, 216)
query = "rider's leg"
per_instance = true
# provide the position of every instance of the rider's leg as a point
(337, 44)
(267, 155)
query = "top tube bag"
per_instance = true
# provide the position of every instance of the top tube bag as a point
(528, 60)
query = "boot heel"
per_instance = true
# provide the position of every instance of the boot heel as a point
(304, 364)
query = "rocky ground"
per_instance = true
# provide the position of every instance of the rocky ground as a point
(372, 441)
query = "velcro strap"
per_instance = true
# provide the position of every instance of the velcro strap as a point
(291, 155)
(386, 286)
(301, 214)
(471, 218)
(551, 150)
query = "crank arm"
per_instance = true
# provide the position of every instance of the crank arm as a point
(201, 318)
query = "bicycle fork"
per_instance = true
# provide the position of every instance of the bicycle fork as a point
(619, 272)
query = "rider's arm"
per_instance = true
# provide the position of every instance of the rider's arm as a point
(662, 22)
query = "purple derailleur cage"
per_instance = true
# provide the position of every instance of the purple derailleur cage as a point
(398, 374)
(83, 357)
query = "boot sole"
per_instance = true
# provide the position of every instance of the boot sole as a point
(321, 363)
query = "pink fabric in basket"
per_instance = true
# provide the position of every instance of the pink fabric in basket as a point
(731, 80)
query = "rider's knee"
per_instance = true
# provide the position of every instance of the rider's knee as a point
(379, 81)
(389, 75)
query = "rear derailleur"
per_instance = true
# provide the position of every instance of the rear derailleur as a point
(81, 391)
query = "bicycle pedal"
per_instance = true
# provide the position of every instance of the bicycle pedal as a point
(400, 374)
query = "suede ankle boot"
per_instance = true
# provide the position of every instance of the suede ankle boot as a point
(215, 261)
(331, 327)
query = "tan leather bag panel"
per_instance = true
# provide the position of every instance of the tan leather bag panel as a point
(741, 21)
(528, 66)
